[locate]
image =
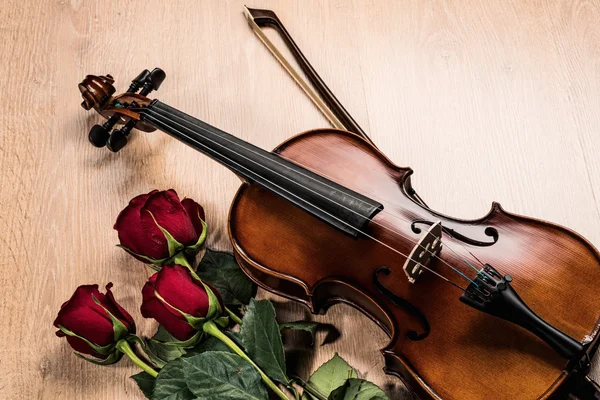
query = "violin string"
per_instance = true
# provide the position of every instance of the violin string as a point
(375, 222)
(355, 198)
(321, 210)
(353, 211)
(350, 195)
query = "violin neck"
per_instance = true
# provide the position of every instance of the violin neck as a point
(330, 202)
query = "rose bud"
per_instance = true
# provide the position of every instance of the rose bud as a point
(157, 226)
(180, 302)
(94, 323)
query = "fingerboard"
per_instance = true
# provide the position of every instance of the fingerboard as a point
(334, 204)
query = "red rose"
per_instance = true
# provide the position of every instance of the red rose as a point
(93, 323)
(155, 227)
(180, 302)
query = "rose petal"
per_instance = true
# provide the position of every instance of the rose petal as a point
(136, 237)
(179, 328)
(148, 291)
(196, 214)
(84, 317)
(175, 284)
(136, 203)
(118, 311)
(81, 346)
(165, 209)
(152, 307)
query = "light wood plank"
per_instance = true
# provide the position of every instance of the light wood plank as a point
(486, 100)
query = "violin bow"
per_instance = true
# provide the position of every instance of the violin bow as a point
(327, 103)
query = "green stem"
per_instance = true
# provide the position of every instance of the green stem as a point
(309, 388)
(214, 331)
(182, 260)
(295, 392)
(123, 346)
(234, 317)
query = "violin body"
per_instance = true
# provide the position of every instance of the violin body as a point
(467, 354)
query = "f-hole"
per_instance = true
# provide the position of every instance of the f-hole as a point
(489, 231)
(404, 304)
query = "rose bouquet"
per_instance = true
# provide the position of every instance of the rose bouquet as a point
(202, 349)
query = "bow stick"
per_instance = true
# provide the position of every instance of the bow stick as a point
(327, 103)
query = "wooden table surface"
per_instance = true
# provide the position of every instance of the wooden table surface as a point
(485, 100)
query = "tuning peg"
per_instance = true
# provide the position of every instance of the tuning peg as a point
(117, 140)
(99, 134)
(139, 81)
(153, 81)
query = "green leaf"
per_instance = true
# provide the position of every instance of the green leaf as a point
(262, 339)
(210, 344)
(222, 271)
(163, 347)
(191, 342)
(145, 382)
(159, 349)
(160, 354)
(217, 375)
(358, 389)
(153, 357)
(329, 376)
(170, 383)
(111, 359)
(163, 335)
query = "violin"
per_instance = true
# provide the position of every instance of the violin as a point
(502, 307)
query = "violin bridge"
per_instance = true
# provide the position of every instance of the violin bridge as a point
(425, 249)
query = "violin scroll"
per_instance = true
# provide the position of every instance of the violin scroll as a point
(96, 90)
(97, 93)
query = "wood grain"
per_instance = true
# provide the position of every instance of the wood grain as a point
(469, 94)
